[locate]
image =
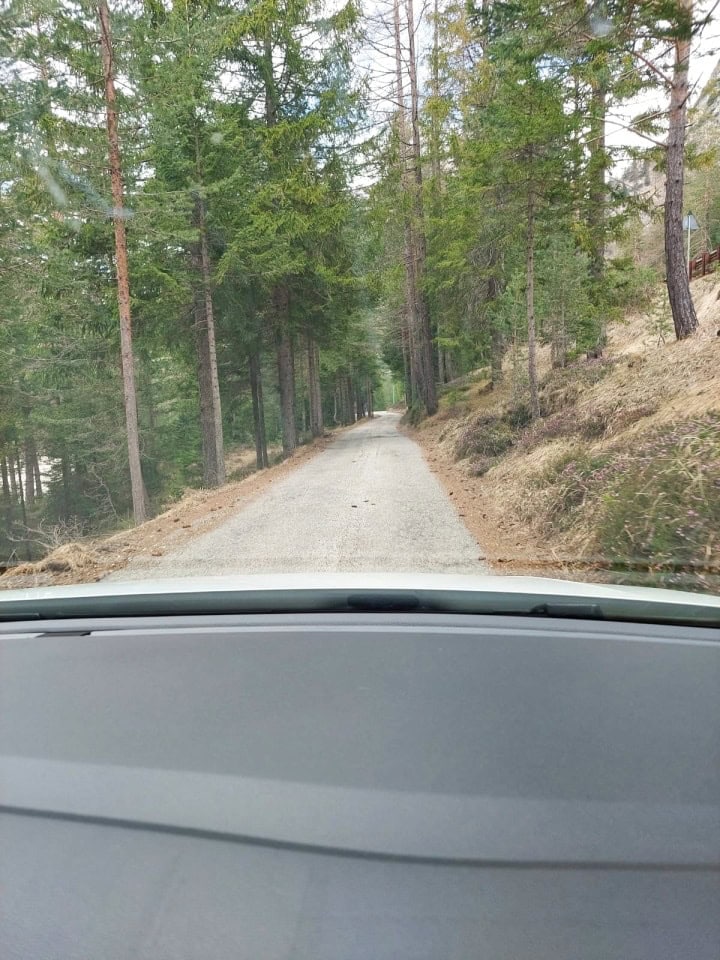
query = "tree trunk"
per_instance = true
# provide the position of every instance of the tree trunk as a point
(280, 296)
(137, 486)
(23, 511)
(359, 402)
(425, 338)
(450, 367)
(441, 365)
(340, 411)
(65, 473)
(286, 370)
(434, 122)
(148, 422)
(346, 401)
(36, 474)
(261, 454)
(317, 426)
(286, 373)
(350, 394)
(407, 376)
(678, 283)
(497, 352)
(271, 96)
(559, 337)
(597, 194)
(205, 391)
(409, 322)
(261, 410)
(208, 381)
(530, 303)
(13, 479)
(497, 338)
(6, 495)
(413, 320)
(436, 173)
(29, 474)
(5, 477)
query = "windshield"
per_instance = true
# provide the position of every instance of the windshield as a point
(321, 287)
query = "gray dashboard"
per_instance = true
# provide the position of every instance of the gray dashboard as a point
(359, 786)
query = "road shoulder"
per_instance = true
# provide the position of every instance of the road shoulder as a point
(196, 513)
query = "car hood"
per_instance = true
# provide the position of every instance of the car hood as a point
(315, 592)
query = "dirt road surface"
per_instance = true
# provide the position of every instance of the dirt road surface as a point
(367, 503)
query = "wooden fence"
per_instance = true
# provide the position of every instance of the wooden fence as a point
(703, 264)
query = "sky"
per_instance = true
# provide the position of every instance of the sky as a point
(704, 57)
(705, 54)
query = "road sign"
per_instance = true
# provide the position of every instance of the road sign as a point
(690, 223)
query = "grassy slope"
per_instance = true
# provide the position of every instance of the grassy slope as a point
(621, 472)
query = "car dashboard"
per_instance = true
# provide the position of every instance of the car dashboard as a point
(346, 786)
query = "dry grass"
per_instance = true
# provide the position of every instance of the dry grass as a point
(645, 384)
(70, 558)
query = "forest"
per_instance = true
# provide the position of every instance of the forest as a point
(233, 224)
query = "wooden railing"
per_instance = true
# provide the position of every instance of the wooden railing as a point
(703, 264)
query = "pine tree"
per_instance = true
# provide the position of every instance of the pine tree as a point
(137, 486)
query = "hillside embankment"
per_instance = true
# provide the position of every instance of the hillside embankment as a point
(620, 476)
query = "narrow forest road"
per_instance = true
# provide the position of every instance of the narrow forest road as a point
(368, 502)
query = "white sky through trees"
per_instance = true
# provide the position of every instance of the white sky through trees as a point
(377, 63)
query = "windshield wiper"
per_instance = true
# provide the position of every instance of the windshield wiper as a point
(575, 611)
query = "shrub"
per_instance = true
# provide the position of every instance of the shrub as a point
(454, 394)
(452, 412)
(414, 415)
(562, 387)
(573, 478)
(553, 427)
(594, 426)
(518, 416)
(630, 286)
(241, 472)
(479, 467)
(626, 416)
(486, 436)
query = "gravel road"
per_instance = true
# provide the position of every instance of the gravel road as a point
(368, 502)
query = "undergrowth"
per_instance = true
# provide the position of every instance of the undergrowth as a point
(653, 508)
(486, 435)
(571, 479)
(414, 415)
(490, 435)
(647, 508)
(643, 507)
(663, 505)
(562, 387)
